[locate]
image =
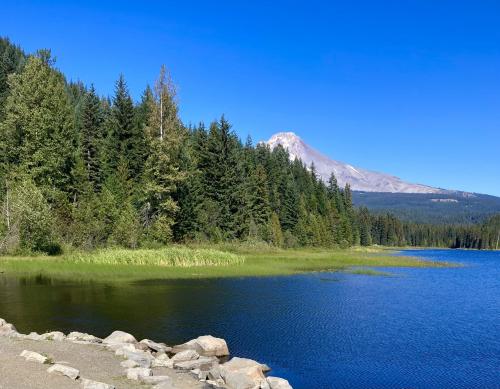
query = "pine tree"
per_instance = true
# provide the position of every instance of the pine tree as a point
(162, 171)
(91, 136)
(38, 133)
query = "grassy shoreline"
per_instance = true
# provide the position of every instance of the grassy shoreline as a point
(178, 262)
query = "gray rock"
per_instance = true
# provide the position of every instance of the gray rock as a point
(278, 383)
(202, 363)
(89, 384)
(165, 385)
(34, 357)
(206, 345)
(142, 358)
(186, 355)
(136, 373)
(158, 347)
(118, 337)
(67, 371)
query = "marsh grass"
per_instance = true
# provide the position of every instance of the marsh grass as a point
(175, 256)
(206, 261)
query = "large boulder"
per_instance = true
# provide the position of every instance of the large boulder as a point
(207, 346)
(278, 383)
(242, 373)
(119, 337)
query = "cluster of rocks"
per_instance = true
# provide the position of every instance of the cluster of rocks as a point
(205, 358)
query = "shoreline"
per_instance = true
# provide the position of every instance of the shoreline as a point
(78, 360)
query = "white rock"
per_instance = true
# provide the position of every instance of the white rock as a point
(89, 384)
(278, 383)
(82, 337)
(119, 337)
(34, 357)
(57, 336)
(162, 361)
(2, 322)
(136, 373)
(206, 345)
(187, 355)
(7, 329)
(242, 373)
(64, 370)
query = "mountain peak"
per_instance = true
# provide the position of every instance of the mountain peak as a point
(359, 179)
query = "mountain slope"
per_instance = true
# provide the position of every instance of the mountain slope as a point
(359, 179)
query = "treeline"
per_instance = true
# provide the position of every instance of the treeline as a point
(89, 171)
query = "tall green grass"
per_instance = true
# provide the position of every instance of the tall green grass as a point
(174, 256)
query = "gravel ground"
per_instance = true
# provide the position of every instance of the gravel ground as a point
(94, 362)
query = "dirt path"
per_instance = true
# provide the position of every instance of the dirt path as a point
(94, 362)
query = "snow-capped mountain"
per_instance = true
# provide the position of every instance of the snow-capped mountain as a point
(359, 179)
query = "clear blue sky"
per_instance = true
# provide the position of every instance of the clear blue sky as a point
(408, 87)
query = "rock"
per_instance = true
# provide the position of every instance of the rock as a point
(203, 363)
(89, 384)
(57, 336)
(242, 373)
(118, 337)
(278, 383)
(34, 357)
(33, 336)
(2, 322)
(141, 346)
(129, 363)
(126, 347)
(206, 345)
(64, 370)
(187, 355)
(80, 337)
(158, 347)
(162, 361)
(216, 384)
(142, 358)
(7, 329)
(214, 373)
(155, 379)
(136, 373)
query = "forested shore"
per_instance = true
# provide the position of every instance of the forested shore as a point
(82, 170)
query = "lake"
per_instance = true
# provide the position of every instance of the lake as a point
(420, 328)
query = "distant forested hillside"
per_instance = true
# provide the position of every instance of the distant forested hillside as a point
(85, 170)
(452, 208)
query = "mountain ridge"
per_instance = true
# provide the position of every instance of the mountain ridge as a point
(359, 179)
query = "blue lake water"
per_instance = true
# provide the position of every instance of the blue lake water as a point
(421, 328)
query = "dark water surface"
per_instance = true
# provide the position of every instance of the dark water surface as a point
(423, 328)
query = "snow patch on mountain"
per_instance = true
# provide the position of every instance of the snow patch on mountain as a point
(359, 179)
